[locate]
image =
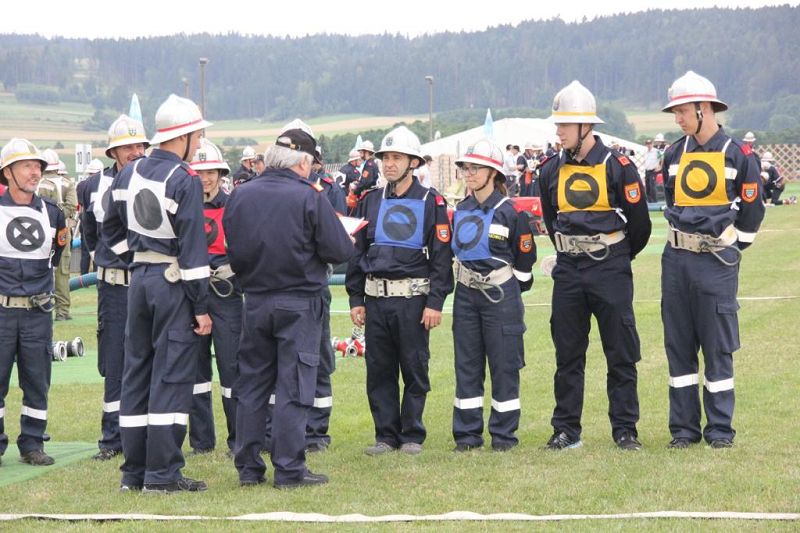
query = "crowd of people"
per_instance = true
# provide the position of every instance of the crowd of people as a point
(190, 255)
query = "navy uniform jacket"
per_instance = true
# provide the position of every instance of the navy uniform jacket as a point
(744, 209)
(170, 222)
(628, 211)
(351, 174)
(773, 177)
(394, 262)
(93, 195)
(510, 239)
(26, 265)
(369, 176)
(214, 211)
(282, 233)
(332, 191)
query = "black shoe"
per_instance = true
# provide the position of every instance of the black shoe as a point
(462, 447)
(184, 484)
(560, 441)
(202, 451)
(503, 446)
(628, 441)
(679, 443)
(308, 479)
(313, 447)
(252, 482)
(721, 443)
(37, 458)
(105, 454)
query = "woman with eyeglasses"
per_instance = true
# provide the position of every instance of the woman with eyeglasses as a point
(494, 252)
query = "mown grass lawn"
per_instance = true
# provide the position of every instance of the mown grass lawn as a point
(760, 474)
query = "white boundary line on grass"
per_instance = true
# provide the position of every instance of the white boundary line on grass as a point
(452, 516)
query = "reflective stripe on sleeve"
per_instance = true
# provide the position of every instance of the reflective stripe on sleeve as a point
(121, 247)
(171, 205)
(195, 273)
(522, 276)
(272, 399)
(745, 236)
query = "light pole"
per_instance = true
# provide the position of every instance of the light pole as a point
(429, 79)
(203, 63)
(185, 81)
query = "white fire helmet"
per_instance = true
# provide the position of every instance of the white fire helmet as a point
(367, 146)
(485, 153)
(403, 141)
(94, 167)
(659, 137)
(209, 157)
(51, 156)
(749, 137)
(124, 131)
(175, 117)
(248, 153)
(692, 87)
(19, 150)
(62, 168)
(575, 104)
(353, 156)
(767, 157)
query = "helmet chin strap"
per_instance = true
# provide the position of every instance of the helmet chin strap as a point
(188, 145)
(485, 183)
(574, 153)
(699, 113)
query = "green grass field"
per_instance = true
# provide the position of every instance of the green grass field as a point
(760, 474)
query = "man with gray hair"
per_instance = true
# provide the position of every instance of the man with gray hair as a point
(283, 273)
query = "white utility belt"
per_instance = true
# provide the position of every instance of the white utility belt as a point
(474, 280)
(114, 276)
(25, 302)
(172, 273)
(390, 288)
(698, 243)
(579, 244)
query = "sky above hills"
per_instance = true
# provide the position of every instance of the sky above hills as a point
(103, 19)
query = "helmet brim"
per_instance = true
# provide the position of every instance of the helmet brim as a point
(168, 134)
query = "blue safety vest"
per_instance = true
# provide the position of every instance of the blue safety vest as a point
(471, 233)
(400, 223)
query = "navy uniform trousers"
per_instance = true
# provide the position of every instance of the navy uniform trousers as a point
(278, 354)
(397, 344)
(487, 332)
(161, 352)
(112, 314)
(226, 315)
(603, 289)
(320, 413)
(24, 337)
(698, 309)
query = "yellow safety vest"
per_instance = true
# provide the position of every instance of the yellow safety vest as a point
(582, 188)
(701, 180)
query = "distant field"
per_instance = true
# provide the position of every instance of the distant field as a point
(651, 122)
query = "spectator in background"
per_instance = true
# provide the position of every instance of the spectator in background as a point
(651, 164)
(423, 173)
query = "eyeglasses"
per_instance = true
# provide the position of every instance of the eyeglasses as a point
(471, 170)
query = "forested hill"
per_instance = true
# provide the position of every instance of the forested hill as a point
(751, 55)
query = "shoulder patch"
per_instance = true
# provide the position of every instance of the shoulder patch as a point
(525, 243)
(326, 179)
(440, 200)
(746, 149)
(61, 237)
(623, 160)
(633, 193)
(317, 187)
(749, 192)
(443, 232)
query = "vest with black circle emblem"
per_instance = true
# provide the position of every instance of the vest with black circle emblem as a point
(400, 222)
(471, 230)
(26, 233)
(101, 198)
(147, 206)
(701, 178)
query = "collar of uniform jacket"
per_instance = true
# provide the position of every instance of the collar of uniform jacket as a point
(410, 192)
(158, 153)
(282, 173)
(595, 155)
(36, 202)
(471, 203)
(714, 144)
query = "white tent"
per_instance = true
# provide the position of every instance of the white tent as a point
(518, 131)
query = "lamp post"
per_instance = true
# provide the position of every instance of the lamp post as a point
(203, 63)
(429, 79)
(185, 81)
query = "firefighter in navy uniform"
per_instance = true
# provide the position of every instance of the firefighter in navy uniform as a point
(34, 234)
(350, 169)
(397, 282)
(246, 170)
(283, 270)
(126, 142)
(595, 216)
(224, 307)
(714, 210)
(156, 212)
(332, 191)
(494, 253)
(369, 170)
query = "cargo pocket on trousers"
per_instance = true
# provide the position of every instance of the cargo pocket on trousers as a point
(514, 345)
(631, 338)
(182, 354)
(307, 363)
(728, 326)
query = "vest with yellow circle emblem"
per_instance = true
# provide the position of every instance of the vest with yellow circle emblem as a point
(701, 179)
(583, 188)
